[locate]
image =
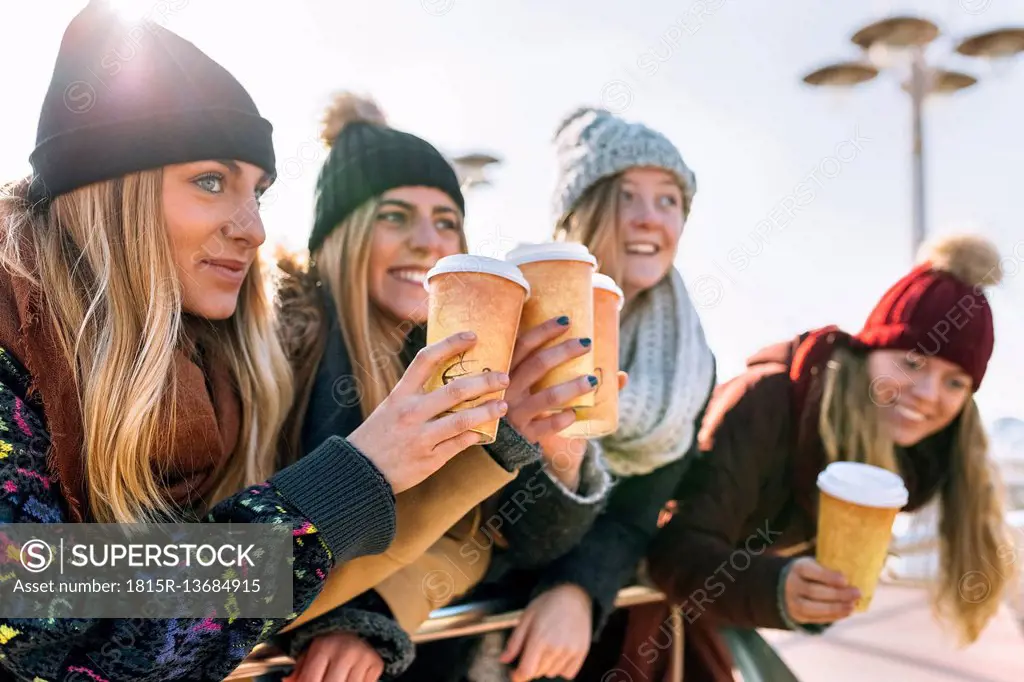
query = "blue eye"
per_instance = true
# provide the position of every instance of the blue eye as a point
(627, 195)
(211, 182)
(394, 217)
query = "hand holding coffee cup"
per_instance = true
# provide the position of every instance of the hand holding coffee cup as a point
(540, 416)
(431, 433)
(537, 415)
(857, 506)
(480, 295)
(815, 594)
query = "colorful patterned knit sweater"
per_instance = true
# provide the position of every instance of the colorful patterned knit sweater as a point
(334, 488)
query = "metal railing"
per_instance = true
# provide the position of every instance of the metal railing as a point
(481, 617)
(475, 618)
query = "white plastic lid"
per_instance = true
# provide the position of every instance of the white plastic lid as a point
(863, 484)
(532, 253)
(605, 282)
(464, 262)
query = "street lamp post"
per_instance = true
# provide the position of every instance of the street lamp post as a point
(918, 91)
(471, 168)
(907, 39)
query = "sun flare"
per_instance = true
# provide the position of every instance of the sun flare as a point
(137, 10)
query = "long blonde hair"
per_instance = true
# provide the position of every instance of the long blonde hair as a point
(105, 268)
(374, 346)
(974, 536)
(594, 223)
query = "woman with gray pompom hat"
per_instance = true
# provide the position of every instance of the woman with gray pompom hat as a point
(625, 192)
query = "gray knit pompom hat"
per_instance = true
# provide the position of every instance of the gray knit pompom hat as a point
(592, 144)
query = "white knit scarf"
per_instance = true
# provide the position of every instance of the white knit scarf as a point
(670, 366)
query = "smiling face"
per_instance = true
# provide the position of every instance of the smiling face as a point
(211, 210)
(917, 395)
(650, 223)
(414, 228)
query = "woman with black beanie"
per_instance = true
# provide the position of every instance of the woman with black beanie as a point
(140, 377)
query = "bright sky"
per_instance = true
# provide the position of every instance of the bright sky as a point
(720, 77)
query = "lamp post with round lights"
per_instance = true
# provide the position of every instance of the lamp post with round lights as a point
(900, 43)
(471, 168)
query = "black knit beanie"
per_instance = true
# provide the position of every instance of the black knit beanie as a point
(131, 97)
(368, 158)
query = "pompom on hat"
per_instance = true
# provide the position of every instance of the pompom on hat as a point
(366, 159)
(592, 144)
(939, 309)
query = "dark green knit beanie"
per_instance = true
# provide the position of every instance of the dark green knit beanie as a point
(368, 158)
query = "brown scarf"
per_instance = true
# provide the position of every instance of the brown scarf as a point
(205, 434)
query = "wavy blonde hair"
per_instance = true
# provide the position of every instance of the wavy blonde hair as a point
(105, 268)
(341, 264)
(594, 223)
(974, 535)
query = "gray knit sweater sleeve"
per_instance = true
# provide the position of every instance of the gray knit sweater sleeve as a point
(544, 519)
(605, 560)
(510, 449)
(367, 617)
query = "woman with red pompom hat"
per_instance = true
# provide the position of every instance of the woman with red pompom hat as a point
(898, 394)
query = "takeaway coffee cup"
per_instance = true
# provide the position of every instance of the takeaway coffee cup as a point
(561, 283)
(480, 295)
(857, 507)
(603, 417)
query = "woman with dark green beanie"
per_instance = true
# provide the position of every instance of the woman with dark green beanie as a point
(388, 207)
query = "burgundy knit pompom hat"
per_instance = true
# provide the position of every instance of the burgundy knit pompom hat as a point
(939, 309)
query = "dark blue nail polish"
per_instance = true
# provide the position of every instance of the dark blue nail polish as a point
(585, 343)
(563, 320)
(592, 379)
